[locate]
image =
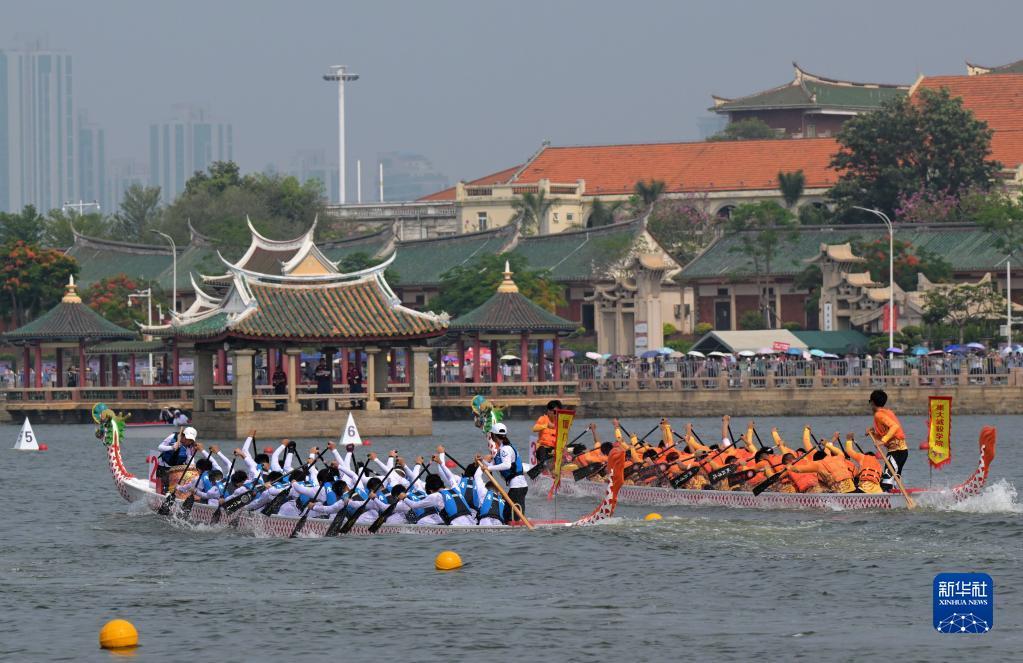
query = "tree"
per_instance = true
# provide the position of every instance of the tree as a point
(58, 228)
(109, 298)
(1003, 217)
(465, 287)
(909, 261)
(33, 279)
(927, 143)
(749, 129)
(760, 229)
(140, 212)
(750, 320)
(26, 226)
(648, 192)
(812, 279)
(533, 209)
(603, 214)
(791, 186)
(360, 260)
(961, 304)
(682, 226)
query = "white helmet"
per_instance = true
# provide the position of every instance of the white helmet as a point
(190, 433)
(499, 429)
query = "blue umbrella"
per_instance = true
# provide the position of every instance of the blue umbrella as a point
(920, 351)
(817, 353)
(794, 351)
(894, 351)
(649, 354)
(955, 348)
(664, 351)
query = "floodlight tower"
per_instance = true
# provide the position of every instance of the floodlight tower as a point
(340, 73)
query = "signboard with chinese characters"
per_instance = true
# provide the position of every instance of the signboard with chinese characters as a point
(939, 434)
(779, 346)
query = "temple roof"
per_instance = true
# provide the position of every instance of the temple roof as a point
(277, 257)
(1011, 68)
(810, 91)
(423, 262)
(70, 320)
(509, 311)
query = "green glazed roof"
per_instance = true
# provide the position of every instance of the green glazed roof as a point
(967, 248)
(100, 259)
(371, 244)
(127, 347)
(837, 342)
(68, 322)
(812, 91)
(579, 255)
(511, 312)
(422, 262)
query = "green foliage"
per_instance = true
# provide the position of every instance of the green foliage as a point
(465, 287)
(961, 304)
(647, 193)
(682, 226)
(749, 129)
(668, 329)
(752, 320)
(762, 228)
(533, 209)
(811, 279)
(1004, 217)
(910, 336)
(792, 326)
(909, 261)
(26, 226)
(930, 143)
(603, 214)
(679, 344)
(360, 260)
(109, 298)
(32, 279)
(703, 328)
(815, 215)
(791, 187)
(139, 213)
(57, 228)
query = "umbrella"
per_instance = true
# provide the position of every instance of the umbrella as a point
(976, 346)
(794, 351)
(723, 355)
(595, 356)
(894, 351)
(830, 355)
(817, 353)
(565, 354)
(955, 348)
(696, 353)
(449, 358)
(765, 351)
(675, 354)
(747, 353)
(1016, 348)
(935, 353)
(509, 358)
(665, 350)
(650, 354)
(919, 350)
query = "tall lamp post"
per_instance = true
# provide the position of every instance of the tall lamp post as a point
(891, 271)
(174, 269)
(339, 73)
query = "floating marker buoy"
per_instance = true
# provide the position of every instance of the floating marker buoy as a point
(925, 445)
(268, 450)
(43, 446)
(652, 516)
(118, 634)
(448, 560)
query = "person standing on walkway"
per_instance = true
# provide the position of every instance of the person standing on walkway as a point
(279, 380)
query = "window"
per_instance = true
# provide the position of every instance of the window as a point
(811, 130)
(555, 217)
(722, 292)
(481, 221)
(569, 216)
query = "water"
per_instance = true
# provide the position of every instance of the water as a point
(702, 584)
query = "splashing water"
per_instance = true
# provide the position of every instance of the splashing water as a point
(999, 497)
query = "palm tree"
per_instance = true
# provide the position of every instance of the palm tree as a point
(648, 192)
(603, 214)
(533, 209)
(791, 187)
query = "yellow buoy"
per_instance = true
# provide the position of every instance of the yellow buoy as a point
(652, 516)
(118, 634)
(448, 560)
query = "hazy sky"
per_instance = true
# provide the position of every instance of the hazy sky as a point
(476, 86)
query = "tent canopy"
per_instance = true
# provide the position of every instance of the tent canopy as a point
(736, 341)
(836, 342)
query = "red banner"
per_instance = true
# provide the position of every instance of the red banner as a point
(779, 346)
(887, 323)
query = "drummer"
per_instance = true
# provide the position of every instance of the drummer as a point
(176, 449)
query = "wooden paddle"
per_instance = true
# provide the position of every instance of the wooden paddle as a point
(514, 507)
(681, 479)
(386, 513)
(339, 519)
(282, 497)
(169, 502)
(774, 478)
(350, 523)
(305, 514)
(220, 503)
(888, 464)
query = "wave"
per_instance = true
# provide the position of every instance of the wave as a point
(998, 497)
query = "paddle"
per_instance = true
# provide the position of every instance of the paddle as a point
(586, 471)
(305, 514)
(507, 500)
(350, 523)
(339, 519)
(382, 518)
(535, 471)
(282, 497)
(681, 479)
(774, 478)
(169, 502)
(220, 503)
(888, 464)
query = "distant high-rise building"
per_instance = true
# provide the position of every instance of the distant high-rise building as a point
(313, 165)
(37, 136)
(188, 143)
(92, 163)
(408, 176)
(121, 174)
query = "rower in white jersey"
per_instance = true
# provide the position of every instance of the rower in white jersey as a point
(448, 505)
(509, 463)
(176, 449)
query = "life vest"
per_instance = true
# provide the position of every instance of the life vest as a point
(835, 469)
(870, 470)
(329, 496)
(205, 483)
(588, 457)
(516, 468)
(802, 481)
(414, 515)
(467, 487)
(217, 487)
(492, 506)
(548, 436)
(302, 500)
(173, 457)
(360, 494)
(454, 505)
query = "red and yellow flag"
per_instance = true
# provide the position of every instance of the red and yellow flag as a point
(939, 435)
(563, 423)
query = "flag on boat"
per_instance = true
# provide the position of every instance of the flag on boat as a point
(26, 438)
(939, 435)
(563, 423)
(351, 433)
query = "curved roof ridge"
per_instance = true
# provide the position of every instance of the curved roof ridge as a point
(501, 230)
(336, 243)
(99, 242)
(803, 74)
(611, 227)
(280, 244)
(307, 279)
(197, 238)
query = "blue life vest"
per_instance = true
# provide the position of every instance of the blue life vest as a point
(467, 486)
(416, 494)
(492, 506)
(173, 457)
(218, 487)
(329, 496)
(360, 494)
(302, 500)
(204, 484)
(516, 468)
(414, 515)
(454, 506)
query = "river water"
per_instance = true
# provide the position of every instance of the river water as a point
(702, 584)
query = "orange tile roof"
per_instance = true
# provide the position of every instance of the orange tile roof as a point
(696, 166)
(500, 177)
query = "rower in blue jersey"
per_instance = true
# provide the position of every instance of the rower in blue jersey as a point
(465, 484)
(491, 504)
(449, 506)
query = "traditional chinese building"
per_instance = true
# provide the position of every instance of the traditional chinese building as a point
(281, 297)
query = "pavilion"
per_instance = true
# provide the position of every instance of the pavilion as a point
(281, 297)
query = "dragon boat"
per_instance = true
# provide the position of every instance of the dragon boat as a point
(641, 495)
(143, 491)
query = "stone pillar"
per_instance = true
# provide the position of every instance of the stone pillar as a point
(113, 370)
(372, 362)
(777, 305)
(60, 367)
(477, 359)
(131, 370)
(241, 399)
(39, 367)
(203, 381)
(221, 366)
(438, 366)
(271, 364)
(419, 377)
(557, 359)
(102, 362)
(460, 353)
(26, 367)
(495, 373)
(176, 355)
(734, 324)
(344, 365)
(81, 366)
(292, 358)
(524, 358)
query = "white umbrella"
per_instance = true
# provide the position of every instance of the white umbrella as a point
(747, 353)
(595, 356)
(766, 351)
(696, 353)
(509, 358)
(675, 354)
(716, 353)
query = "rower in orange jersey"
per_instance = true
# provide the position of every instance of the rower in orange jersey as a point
(889, 431)
(598, 454)
(868, 476)
(831, 467)
(795, 482)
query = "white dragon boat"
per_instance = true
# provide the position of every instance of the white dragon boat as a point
(142, 490)
(641, 495)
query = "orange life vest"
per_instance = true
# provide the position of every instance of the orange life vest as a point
(836, 469)
(803, 482)
(870, 470)
(548, 436)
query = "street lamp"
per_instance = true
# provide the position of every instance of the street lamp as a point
(339, 73)
(148, 295)
(174, 268)
(79, 206)
(891, 271)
